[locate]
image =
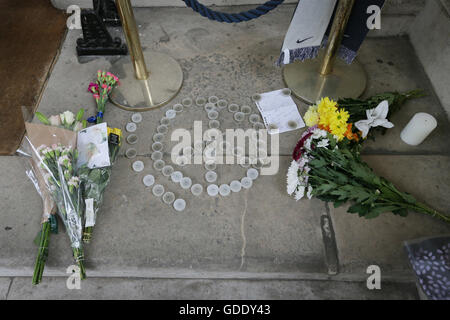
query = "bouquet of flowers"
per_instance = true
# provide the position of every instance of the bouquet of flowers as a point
(101, 89)
(59, 163)
(327, 164)
(95, 180)
(49, 222)
(40, 176)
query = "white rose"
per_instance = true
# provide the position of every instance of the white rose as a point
(68, 117)
(55, 121)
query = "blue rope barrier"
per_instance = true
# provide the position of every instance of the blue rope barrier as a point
(232, 17)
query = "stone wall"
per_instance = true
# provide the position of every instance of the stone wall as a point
(430, 36)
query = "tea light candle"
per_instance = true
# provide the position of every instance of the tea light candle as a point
(418, 128)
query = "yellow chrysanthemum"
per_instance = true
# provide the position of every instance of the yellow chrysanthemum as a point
(339, 129)
(327, 115)
(311, 116)
(342, 115)
(326, 109)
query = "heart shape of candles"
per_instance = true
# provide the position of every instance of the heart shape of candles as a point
(210, 182)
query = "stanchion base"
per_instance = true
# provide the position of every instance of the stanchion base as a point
(163, 84)
(305, 81)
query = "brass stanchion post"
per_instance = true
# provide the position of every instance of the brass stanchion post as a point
(327, 76)
(131, 34)
(143, 88)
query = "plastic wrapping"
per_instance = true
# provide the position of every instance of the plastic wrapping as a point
(48, 220)
(35, 175)
(94, 182)
(54, 157)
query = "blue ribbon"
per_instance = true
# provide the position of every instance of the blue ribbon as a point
(93, 119)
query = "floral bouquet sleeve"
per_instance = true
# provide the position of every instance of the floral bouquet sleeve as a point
(53, 150)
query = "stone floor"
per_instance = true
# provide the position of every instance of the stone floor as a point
(258, 243)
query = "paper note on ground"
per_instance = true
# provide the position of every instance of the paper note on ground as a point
(92, 145)
(279, 109)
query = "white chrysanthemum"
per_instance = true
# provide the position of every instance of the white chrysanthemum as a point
(319, 133)
(292, 177)
(300, 193)
(309, 193)
(307, 144)
(323, 143)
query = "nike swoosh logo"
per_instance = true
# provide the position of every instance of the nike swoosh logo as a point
(300, 41)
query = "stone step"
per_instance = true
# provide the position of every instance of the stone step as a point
(197, 289)
(361, 242)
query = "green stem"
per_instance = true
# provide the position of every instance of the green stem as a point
(78, 254)
(42, 253)
(421, 208)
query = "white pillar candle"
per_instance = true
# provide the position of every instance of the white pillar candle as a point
(418, 128)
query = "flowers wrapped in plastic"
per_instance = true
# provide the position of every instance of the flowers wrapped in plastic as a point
(95, 179)
(49, 223)
(327, 164)
(50, 166)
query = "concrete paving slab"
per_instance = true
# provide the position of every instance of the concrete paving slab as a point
(141, 231)
(195, 289)
(5, 284)
(379, 241)
(137, 231)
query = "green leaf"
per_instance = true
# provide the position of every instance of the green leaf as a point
(340, 177)
(377, 210)
(341, 193)
(401, 212)
(358, 208)
(324, 188)
(339, 203)
(318, 163)
(42, 118)
(79, 115)
(408, 198)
